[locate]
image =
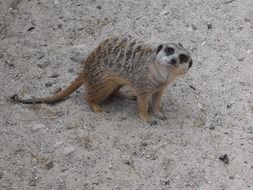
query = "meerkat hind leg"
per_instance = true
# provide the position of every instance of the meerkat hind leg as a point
(100, 94)
(93, 97)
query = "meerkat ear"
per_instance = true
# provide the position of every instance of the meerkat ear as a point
(159, 48)
(190, 64)
(180, 44)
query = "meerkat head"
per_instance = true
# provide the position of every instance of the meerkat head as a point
(174, 56)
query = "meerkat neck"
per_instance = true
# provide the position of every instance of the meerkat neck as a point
(159, 73)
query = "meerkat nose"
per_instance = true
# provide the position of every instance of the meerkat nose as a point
(173, 61)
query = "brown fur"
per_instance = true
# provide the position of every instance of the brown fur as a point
(117, 62)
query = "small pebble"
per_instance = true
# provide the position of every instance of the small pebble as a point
(144, 144)
(127, 162)
(31, 28)
(60, 113)
(203, 43)
(240, 59)
(49, 165)
(201, 107)
(48, 84)
(147, 156)
(192, 87)
(110, 166)
(77, 57)
(212, 127)
(37, 127)
(194, 27)
(231, 177)
(59, 25)
(40, 55)
(154, 122)
(209, 26)
(70, 70)
(68, 150)
(224, 158)
(167, 182)
(229, 106)
(44, 44)
(99, 7)
(240, 27)
(9, 64)
(229, 1)
(57, 144)
(123, 118)
(42, 65)
(32, 183)
(165, 12)
(237, 176)
(80, 29)
(54, 75)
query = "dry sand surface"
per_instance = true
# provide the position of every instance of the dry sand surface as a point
(66, 146)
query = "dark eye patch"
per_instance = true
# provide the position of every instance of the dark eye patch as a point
(183, 58)
(169, 51)
(159, 49)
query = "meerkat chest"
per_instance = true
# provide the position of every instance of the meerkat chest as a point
(172, 76)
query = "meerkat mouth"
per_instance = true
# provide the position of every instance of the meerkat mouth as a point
(173, 66)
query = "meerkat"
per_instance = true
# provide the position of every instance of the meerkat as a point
(116, 62)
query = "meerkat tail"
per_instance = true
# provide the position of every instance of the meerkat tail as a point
(54, 98)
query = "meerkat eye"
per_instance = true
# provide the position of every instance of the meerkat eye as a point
(169, 51)
(183, 58)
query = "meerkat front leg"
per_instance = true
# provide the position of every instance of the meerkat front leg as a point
(142, 102)
(156, 103)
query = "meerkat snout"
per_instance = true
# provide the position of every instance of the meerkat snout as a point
(173, 61)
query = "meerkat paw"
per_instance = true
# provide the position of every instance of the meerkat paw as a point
(98, 109)
(144, 118)
(160, 115)
(95, 107)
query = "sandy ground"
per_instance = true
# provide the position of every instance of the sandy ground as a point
(66, 146)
